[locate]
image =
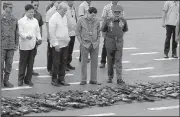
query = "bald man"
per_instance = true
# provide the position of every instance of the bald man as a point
(59, 40)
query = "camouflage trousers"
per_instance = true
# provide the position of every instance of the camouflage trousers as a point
(6, 64)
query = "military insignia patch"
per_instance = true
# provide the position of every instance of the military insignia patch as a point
(121, 24)
(111, 24)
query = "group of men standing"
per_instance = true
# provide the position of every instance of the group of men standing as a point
(63, 27)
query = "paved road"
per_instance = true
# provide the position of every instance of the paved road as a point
(143, 62)
(132, 8)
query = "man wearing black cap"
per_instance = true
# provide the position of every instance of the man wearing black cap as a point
(10, 41)
(114, 29)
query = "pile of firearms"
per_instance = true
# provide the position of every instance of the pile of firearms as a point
(104, 96)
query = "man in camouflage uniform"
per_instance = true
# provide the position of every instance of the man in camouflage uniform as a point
(114, 29)
(10, 41)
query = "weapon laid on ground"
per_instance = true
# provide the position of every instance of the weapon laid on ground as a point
(104, 96)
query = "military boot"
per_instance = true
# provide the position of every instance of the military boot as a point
(6, 81)
(109, 80)
(120, 81)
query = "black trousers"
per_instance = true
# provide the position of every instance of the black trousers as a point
(59, 63)
(70, 49)
(49, 58)
(26, 62)
(103, 54)
(170, 32)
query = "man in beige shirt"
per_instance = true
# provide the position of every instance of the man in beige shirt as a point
(83, 8)
(88, 34)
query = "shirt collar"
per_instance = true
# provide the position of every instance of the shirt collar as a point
(27, 18)
(85, 2)
(54, 8)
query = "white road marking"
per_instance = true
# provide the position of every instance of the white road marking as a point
(165, 75)
(47, 76)
(15, 62)
(15, 88)
(76, 51)
(145, 53)
(130, 48)
(165, 59)
(163, 108)
(136, 69)
(102, 114)
(37, 68)
(74, 83)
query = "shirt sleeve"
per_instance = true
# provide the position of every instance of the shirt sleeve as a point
(125, 29)
(166, 6)
(52, 31)
(22, 34)
(104, 27)
(104, 12)
(38, 34)
(78, 28)
(47, 17)
(81, 11)
(99, 30)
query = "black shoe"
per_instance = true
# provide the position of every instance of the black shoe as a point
(55, 83)
(174, 56)
(35, 73)
(28, 83)
(94, 82)
(64, 83)
(67, 69)
(120, 81)
(83, 83)
(102, 65)
(20, 83)
(109, 80)
(70, 67)
(8, 84)
(166, 56)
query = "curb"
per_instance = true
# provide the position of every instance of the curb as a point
(139, 18)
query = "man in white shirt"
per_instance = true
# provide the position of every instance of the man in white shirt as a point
(59, 40)
(72, 19)
(49, 13)
(29, 36)
(169, 19)
(83, 9)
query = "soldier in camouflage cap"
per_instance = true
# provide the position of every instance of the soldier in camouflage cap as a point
(10, 41)
(114, 29)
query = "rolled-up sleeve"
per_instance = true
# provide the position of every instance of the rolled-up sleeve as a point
(81, 11)
(104, 12)
(22, 34)
(78, 28)
(52, 31)
(166, 6)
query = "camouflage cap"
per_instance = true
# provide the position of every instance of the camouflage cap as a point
(117, 8)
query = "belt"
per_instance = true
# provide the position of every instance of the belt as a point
(113, 37)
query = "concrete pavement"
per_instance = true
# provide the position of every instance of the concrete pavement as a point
(143, 49)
